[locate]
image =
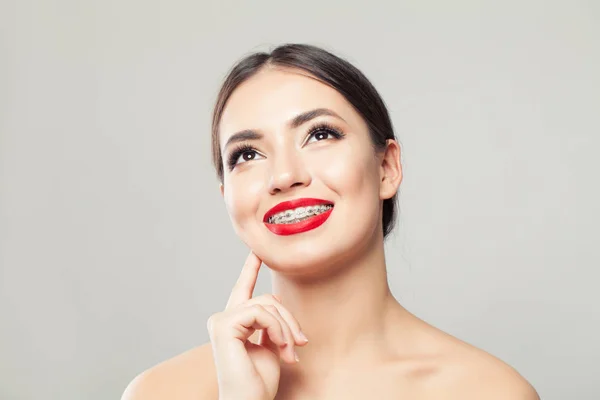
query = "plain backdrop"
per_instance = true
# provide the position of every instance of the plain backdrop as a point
(115, 245)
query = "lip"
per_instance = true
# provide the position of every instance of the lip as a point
(291, 204)
(302, 226)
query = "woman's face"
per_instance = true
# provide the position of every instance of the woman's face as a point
(326, 155)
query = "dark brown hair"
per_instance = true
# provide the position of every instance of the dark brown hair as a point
(329, 69)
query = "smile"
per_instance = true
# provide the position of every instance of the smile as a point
(297, 216)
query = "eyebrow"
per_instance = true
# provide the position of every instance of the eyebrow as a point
(298, 120)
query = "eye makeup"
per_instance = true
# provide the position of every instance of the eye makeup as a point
(318, 130)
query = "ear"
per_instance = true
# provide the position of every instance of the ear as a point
(222, 189)
(390, 170)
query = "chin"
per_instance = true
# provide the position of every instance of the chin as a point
(307, 261)
(314, 252)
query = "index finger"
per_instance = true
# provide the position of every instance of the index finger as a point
(244, 286)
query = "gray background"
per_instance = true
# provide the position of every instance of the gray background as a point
(115, 245)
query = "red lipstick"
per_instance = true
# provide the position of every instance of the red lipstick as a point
(298, 227)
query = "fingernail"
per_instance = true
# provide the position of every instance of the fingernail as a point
(302, 336)
(296, 356)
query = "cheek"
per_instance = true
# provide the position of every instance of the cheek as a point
(242, 197)
(352, 171)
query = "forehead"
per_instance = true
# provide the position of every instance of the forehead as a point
(272, 97)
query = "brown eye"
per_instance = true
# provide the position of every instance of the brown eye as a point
(248, 155)
(241, 155)
(321, 135)
(324, 133)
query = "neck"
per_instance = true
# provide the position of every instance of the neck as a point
(345, 315)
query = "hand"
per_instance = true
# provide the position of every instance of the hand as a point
(246, 370)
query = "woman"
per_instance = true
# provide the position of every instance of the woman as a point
(309, 169)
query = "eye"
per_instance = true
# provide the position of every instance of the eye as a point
(324, 132)
(319, 135)
(242, 154)
(247, 155)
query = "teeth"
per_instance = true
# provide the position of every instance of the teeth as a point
(298, 214)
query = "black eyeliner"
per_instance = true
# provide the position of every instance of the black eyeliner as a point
(321, 127)
(327, 128)
(237, 152)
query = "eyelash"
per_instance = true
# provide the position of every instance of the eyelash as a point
(242, 148)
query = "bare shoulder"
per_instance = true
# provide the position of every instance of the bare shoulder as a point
(463, 371)
(190, 375)
(477, 374)
(491, 378)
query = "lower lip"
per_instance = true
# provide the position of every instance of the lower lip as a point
(299, 227)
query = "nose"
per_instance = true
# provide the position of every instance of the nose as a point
(287, 172)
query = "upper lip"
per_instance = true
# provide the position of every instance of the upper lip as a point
(291, 204)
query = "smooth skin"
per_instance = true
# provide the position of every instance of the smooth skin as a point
(250, 361)
(362, 343)
(245, 369)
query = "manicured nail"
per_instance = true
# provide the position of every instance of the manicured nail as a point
(302, 336)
